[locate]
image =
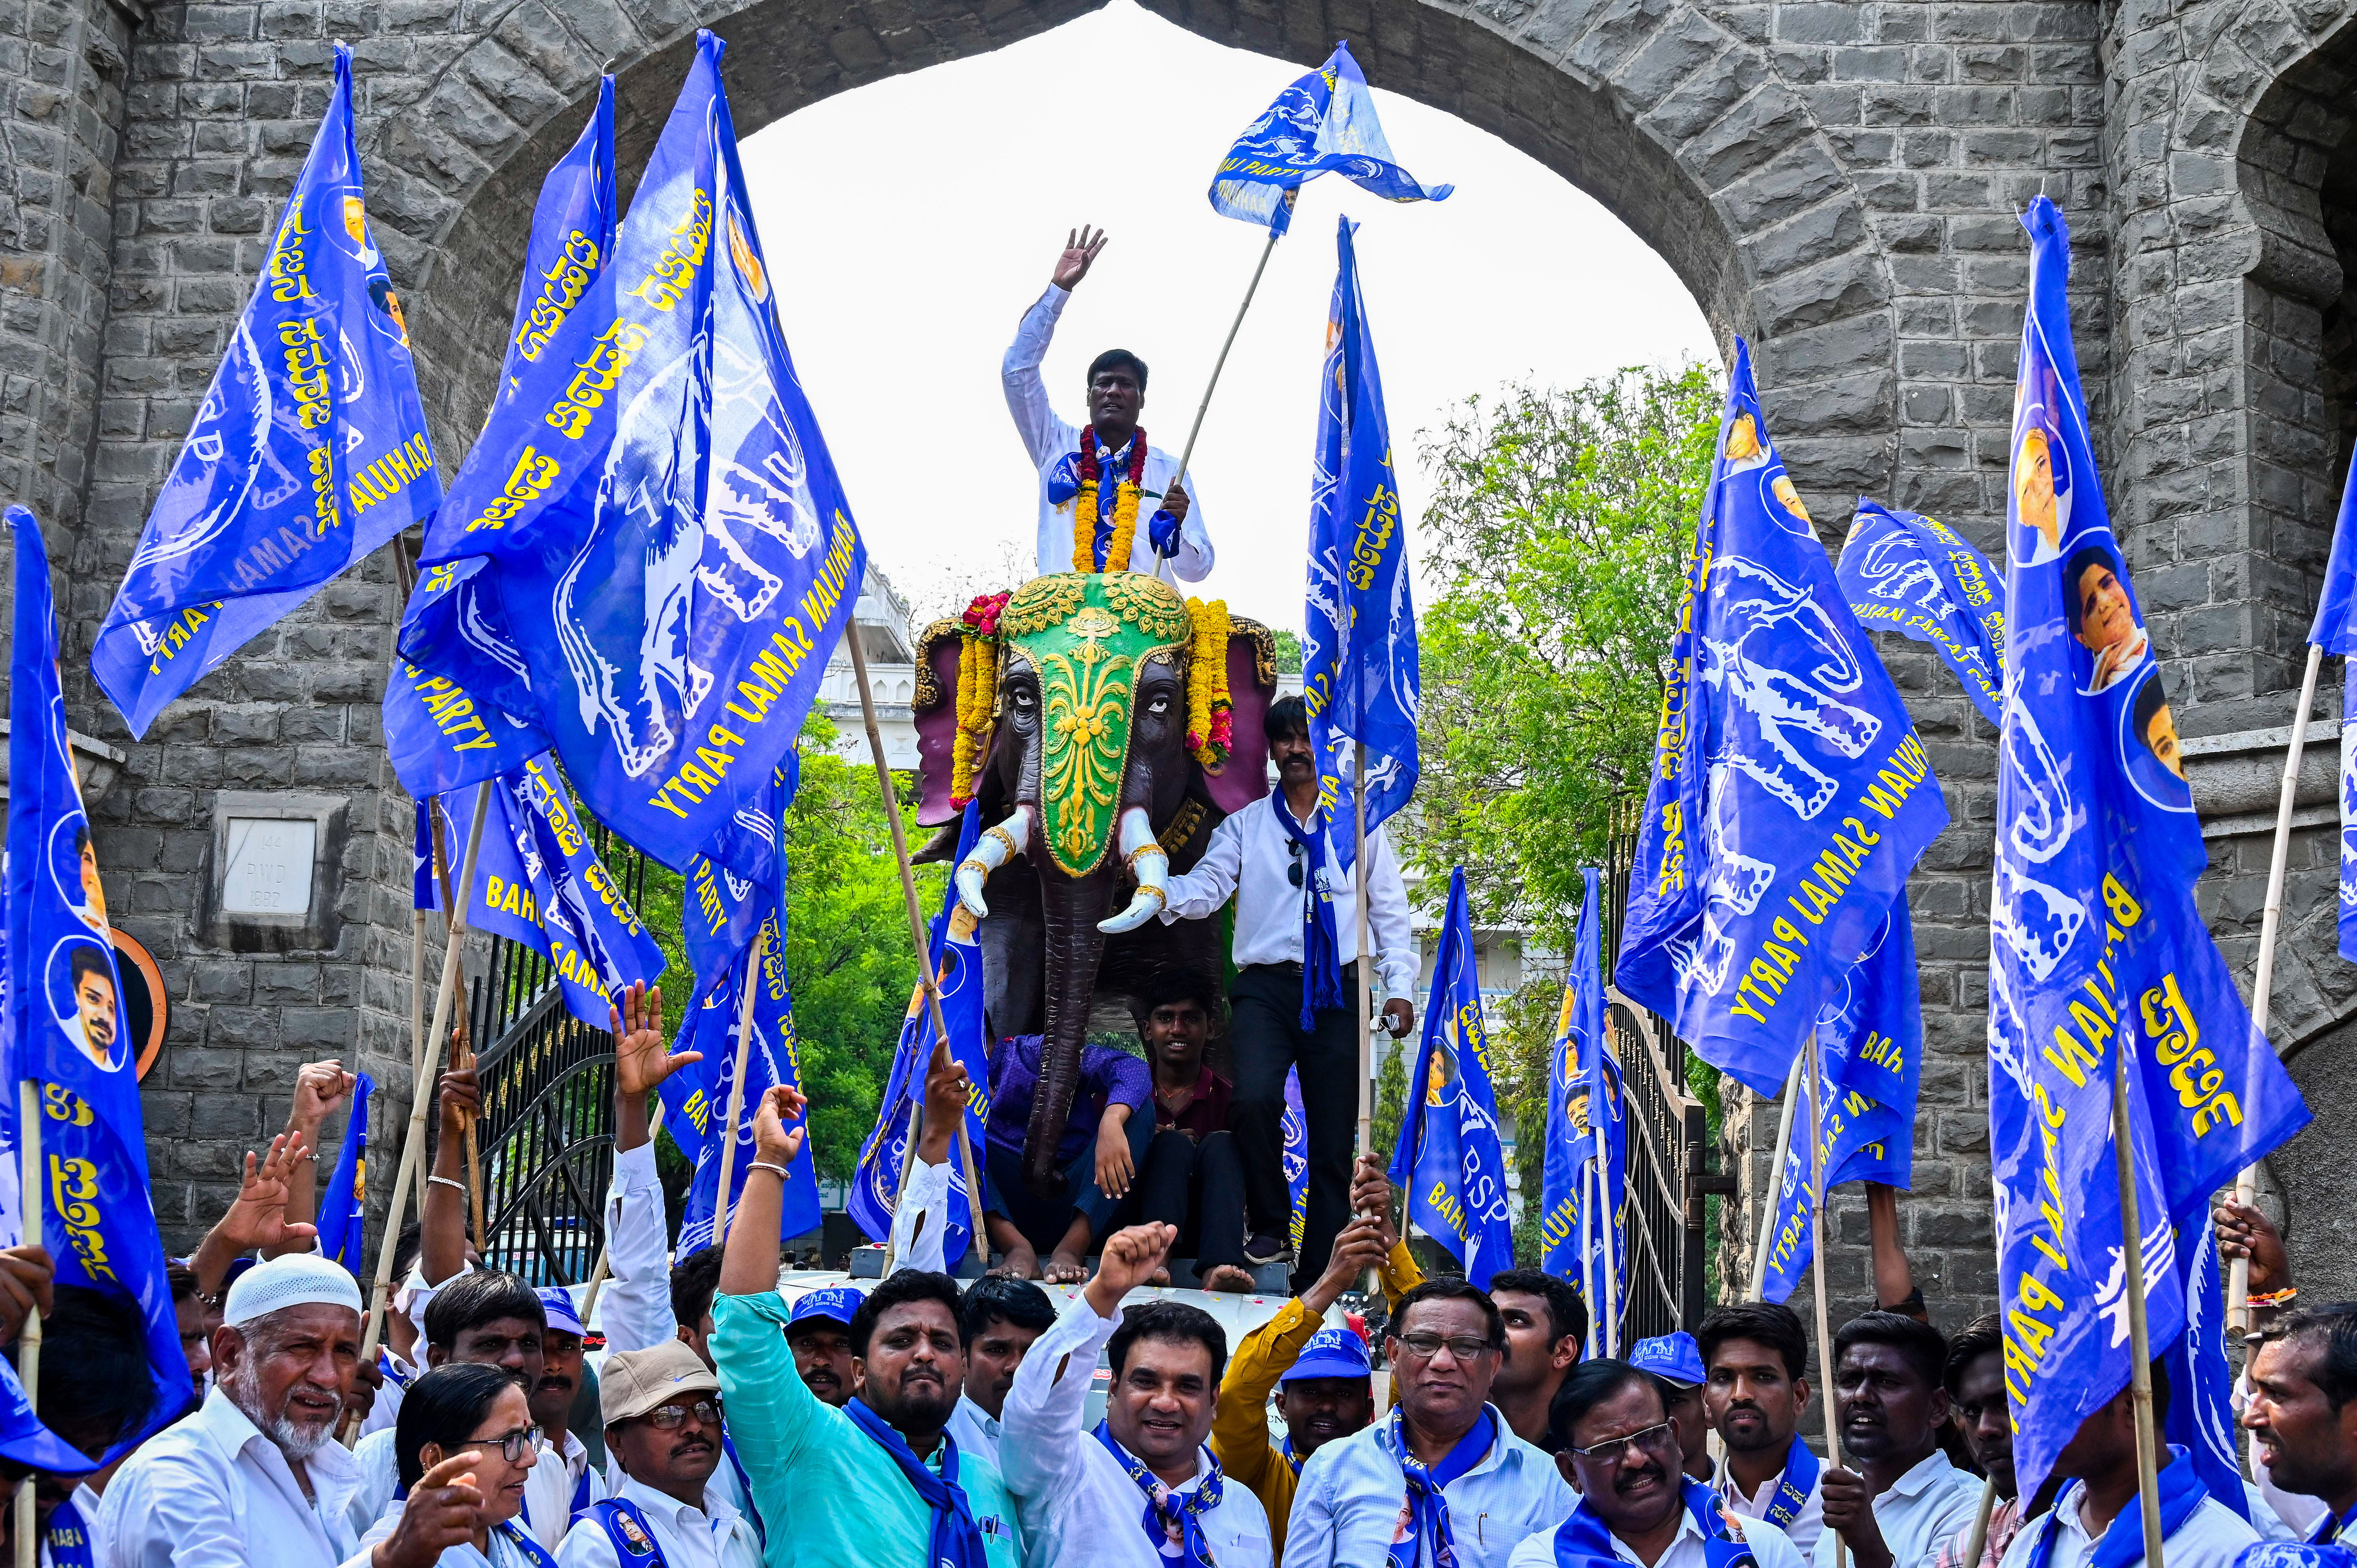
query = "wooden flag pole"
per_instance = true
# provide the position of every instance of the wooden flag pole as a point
(604, 1268)
(417, 1010)
(1186, 453)
(1817, 1265)
(737, 1086)
(926, 977)
(413, 1145)
(1783, 1152)
(2238, 1270)
(2140, 1341)
(1364, 961)
(1978, 1541)
(463, 1058)
(29, 1339)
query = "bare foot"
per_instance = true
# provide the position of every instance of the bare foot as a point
(1227, 1276)
(1018, 1262)
(1063, 1268)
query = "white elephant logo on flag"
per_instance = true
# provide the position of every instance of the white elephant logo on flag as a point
(1782, 661)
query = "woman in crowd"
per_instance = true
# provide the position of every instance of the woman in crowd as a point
(460, 1409)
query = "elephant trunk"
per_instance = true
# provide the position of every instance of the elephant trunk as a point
(1072, 907)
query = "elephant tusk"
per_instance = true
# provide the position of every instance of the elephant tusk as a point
(1151, 866)
(994, 848)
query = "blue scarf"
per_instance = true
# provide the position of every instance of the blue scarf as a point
(625, 1527)
(1171, 1518)
(534, 1552)
(68, 1540)
(2296, 1554)
(393, 1373)
(2334, 1527)
(1793, 1486)
(2181, 1492)
(1584, 1541)
(957, 1540)
(1322, 950)
(1425, 1513)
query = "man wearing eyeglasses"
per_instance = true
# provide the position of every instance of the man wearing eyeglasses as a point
(1615, 1442)
(662, 1411)
(1297, 929)
(1443, 1479)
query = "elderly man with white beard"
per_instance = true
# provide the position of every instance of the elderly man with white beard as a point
(256, 1476)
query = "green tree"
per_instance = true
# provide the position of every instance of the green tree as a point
(1289, 650)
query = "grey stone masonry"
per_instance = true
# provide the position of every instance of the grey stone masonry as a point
(1838, 182)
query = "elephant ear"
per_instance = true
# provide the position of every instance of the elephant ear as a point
(935, 711)
(1251, 687)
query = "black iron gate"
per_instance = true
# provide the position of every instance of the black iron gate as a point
(547, 1133)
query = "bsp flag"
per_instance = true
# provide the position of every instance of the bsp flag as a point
(572, 238)
(1915, 575)
(539, 882)
(1324, 124)
(1870, 1062)
(1790, 794)
(1448, 1159)
(1585, 1175)
(656, 493)
(723, 908)
(309, 451)
(342, 1206)
(1293, 1157)
(2200, 1383)
(956, 956)
(701, 1107)
(1358, 657)
(65, 1020)
(2098, 963)
(442, 737)
(2335, 631)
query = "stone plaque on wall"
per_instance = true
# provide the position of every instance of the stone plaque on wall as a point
(273, 872)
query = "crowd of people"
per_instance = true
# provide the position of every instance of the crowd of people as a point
(919, 1422)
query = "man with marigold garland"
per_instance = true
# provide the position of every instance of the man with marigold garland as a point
(1093, 479)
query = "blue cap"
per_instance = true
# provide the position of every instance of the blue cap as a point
(832, 1303)
(1672, 1356)
(1330, 1353)
(562, 1315)
(25, 1441)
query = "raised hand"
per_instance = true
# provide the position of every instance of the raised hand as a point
(26, 1273)
(2245, 1233)
(1371, 1195)
(461, 1098)
(319, 1088)
(947, 1088)
(1359, 1247)
(773, 1141)
(1081, 248)
(1129, 1260)
(440, 1513)
(640, 1063)
(258, 1218)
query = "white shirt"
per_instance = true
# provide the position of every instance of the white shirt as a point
(213, 1492)
(1804, 1531)
(548, 1491)
(1917, 1515)
(975, 1431)
(1077, 1503)
(1048, 438)
(925, 1197)
(1346, 1509)
(1770, 1547)
(504, 1552)
(2212, 1536)
(1251, 855)
(715, 1536)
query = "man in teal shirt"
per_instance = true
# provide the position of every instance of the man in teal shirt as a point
(880, 1480)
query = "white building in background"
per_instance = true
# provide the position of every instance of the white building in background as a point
(887, 641)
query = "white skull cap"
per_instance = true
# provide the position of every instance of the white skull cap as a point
(298, 1279)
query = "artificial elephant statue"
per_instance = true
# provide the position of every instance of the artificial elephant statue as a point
(1081, 712)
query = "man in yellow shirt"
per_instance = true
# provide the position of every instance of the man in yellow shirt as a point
(1328, 1389)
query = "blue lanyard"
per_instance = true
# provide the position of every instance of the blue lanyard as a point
(69, 1538)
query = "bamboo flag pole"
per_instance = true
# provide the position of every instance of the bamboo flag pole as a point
(916, 924)
(417, 1010)
(737, 1086)
(604, 1267)
(1186, 453)
(29, 1339)
(1783, 1152)
(1606, 1229)
(2238, 1270)
(463, 1058)
(413, 1145)
(1817, 1265)
(1365, 960)
(1979, 1539)
(2140, 1341)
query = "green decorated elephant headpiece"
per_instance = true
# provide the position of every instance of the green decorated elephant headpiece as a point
(1086, 638)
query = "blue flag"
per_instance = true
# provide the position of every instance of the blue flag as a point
(442, 738)
(1448, 1159)
(1915, 575)
(539, 882)
(65, 1021)
(1358, 657)
(423, 894)
(1324, 124)
(1293, 1157)
(572, 238)
(1585, 1175)
(342, 1208)
(308, 452)
(956, 956)
(655, 493)
(1871, 1055)
(1790, 794)
(2335, 631)
(2095, 947)
(2201, 1381)
(723, 909)
(702, 1090)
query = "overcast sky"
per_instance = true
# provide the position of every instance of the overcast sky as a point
(910, 224)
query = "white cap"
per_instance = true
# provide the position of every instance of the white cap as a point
(298, 1279)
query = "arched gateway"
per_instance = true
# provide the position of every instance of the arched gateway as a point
(1836, 180)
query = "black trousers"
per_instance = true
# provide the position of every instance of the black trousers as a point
(1199, 1188)
(1265, 1038)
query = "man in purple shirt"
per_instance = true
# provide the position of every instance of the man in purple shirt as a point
(1104, 1141)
